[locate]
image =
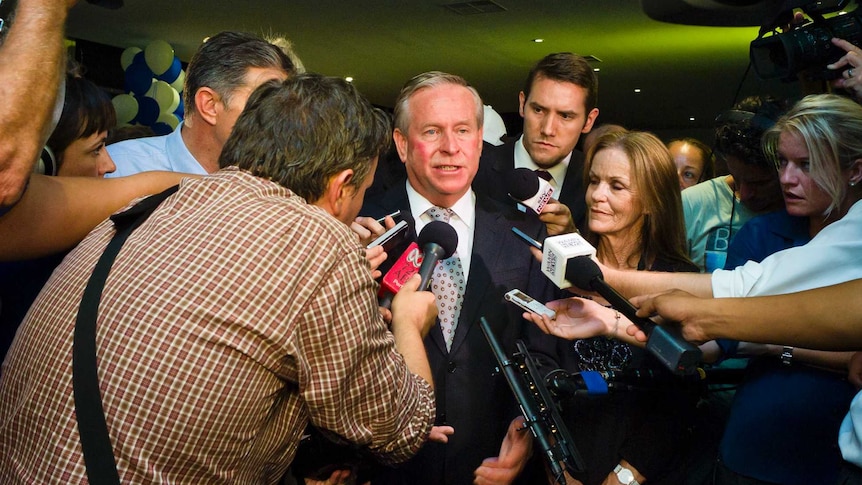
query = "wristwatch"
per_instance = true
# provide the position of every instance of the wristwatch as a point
(625, 476)
(787, 355)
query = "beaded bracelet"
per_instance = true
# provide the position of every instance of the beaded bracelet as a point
(616, 325)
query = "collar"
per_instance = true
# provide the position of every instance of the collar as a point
(464, 208)
(181, 158)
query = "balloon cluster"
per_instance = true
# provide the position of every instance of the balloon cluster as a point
(154, 83)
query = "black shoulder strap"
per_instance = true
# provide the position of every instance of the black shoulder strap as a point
(95, 442)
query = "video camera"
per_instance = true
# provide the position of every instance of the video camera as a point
(806, 48)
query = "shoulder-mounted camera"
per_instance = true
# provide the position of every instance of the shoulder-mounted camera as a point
(805, 47)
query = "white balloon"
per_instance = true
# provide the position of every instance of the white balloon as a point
(159, 56)
(179, 82)
(128, 56)
(126, 107)
(169, 119)
(167, 97)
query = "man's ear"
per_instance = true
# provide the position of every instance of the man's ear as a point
(338, 192)
(400, 140)
(591, 118)
(522, 99)
(206, 104)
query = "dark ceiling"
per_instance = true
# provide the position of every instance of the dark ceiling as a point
(683, 72)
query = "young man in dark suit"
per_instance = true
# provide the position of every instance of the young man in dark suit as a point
(558, 105)
(438, 135)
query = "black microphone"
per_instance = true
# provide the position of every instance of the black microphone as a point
(541, 414)
(528, 188)
(563, 384)
(678, 355)
(438, 240)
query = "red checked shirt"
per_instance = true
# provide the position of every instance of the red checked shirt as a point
(233, 316)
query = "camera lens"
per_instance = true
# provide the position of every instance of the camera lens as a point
(807, 48)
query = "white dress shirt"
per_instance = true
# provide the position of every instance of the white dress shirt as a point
(463, 221)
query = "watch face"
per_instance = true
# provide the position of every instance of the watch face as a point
(625, 475)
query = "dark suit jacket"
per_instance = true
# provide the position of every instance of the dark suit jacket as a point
(497, 160)
(471, 396)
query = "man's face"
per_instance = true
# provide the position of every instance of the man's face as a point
(443, 143)
(554, 117)
(758, 187)
(228, 113)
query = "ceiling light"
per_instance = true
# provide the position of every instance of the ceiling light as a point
(349, 79)
(596, 69)
(538, 41)
(691, 119)
(637, 90)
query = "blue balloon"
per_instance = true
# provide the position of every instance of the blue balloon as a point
(148, 110)
(180, 111)
(162, 128)
(173, 72)
(138, 77)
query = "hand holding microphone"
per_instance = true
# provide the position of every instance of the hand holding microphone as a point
(532, 191)
(413, 308)
(567, 261)
(436, 241)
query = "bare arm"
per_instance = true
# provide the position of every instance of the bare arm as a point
(55, 213)
(32, 60)
(634, 283)
(820, 358)
(824, 318)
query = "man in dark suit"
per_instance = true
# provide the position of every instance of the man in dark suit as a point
(558, 104)
(438, 135)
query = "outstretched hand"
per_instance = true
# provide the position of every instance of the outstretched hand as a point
(675, 306)
(576, 318)
(516, 449)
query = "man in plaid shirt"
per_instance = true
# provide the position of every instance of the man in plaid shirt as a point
(242, 309)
